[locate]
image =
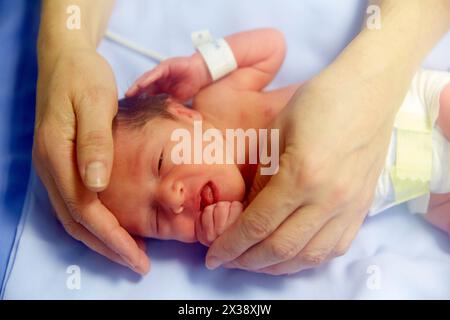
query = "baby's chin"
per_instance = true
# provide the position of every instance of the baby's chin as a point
(180, 228)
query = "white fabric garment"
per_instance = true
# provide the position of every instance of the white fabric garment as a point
(422, 99)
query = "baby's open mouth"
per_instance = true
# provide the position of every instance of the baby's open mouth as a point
(208, 195)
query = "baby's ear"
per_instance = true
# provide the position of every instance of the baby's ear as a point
(180, 111)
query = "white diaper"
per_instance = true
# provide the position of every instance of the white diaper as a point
(418, 159)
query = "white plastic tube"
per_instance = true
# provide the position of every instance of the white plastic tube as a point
(134, 47)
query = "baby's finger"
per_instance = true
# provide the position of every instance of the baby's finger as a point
(200, 229)
(221, 214)
(133, 89)
(144, 80)
(199, 232)
(156, 74)
(208, 223)
(236, 209)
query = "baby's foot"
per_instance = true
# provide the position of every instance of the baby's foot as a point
(215, 219)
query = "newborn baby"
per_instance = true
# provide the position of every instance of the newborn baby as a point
(152, 196)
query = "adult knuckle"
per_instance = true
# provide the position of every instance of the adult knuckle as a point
(256, 227)
(72, 228)
(243, 263)
(110, 233)
(340, 192)
(307, 226)
(341, 195)
(283, 250)
(75, 210)
(340, 250)
(314, 257)
(40, 148)
(307, 173)
(228, 250)
(92, 140)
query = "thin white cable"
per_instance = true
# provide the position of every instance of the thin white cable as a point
(132, 46)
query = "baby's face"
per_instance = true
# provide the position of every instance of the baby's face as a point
(153, 197)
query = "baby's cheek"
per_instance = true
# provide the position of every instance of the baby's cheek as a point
(177, 227)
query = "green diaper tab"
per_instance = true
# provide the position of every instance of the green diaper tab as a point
(411, 173)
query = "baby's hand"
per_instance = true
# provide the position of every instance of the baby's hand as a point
(180, 77)
(215, 218)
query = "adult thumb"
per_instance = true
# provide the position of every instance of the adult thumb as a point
(95, 140)
(259, 183)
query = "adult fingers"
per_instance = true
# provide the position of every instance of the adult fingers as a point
(268, 210)
(86, 209)
(73, 228)
(95, 111)
(289, 239)
(320, 249)
(347, 238)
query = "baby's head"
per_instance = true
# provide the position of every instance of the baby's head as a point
(149, 194)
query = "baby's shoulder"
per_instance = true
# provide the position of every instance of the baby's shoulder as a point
(220, 97)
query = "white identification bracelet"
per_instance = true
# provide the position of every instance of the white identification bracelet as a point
(217, 54)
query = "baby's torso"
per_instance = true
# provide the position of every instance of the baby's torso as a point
(233, 108)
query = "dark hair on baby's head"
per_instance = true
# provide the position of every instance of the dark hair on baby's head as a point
(134, 112)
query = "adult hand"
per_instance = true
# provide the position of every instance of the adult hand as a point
(73, 150)
(334, 138)
(332, 155)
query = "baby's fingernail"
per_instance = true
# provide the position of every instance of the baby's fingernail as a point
(212, 263)
(95, 175)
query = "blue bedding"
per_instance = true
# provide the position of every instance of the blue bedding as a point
(396, 255)
(19, 22)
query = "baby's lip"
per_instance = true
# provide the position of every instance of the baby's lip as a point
(208, 195)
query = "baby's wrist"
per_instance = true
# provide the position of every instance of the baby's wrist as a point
(200, 66)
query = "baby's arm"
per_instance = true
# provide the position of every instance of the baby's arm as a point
(258, 53)
(215, 218)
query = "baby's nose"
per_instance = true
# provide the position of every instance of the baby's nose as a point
(173, 197)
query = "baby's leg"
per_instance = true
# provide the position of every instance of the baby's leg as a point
(439, 208)
(444, 112)
(438, 212)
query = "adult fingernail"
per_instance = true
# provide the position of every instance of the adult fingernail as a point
(95, 175)
(212, 262)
